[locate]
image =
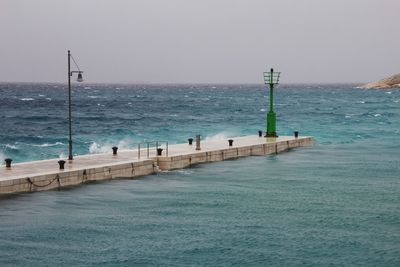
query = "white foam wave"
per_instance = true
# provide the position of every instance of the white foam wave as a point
(47, 144)
(11, 146)
(96, 148)
(27, 99)
(218, 136)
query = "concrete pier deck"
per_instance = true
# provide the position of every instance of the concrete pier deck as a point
(46, 175)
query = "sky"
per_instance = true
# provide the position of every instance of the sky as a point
(200, 41)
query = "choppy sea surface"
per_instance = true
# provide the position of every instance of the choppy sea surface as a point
(335, 204)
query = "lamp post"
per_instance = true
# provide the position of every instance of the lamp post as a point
(272, 79)
(79, 79)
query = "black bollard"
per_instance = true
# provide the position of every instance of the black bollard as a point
(296, 134)
(8, 163)
(61, 163)
(259, 133)
(159, 151)
(115, 149)
(190, 140)
(230, 142)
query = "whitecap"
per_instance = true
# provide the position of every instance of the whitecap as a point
(47, 144)
(217, 137)
(96, 148)
(262, 109)
(41, 95)
(27, 99)
(389, 93)
(11, 146)
(377, 115)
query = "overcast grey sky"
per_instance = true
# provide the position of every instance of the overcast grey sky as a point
(206, 41)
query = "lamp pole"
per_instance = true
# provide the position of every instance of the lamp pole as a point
(271, 78)
(70, 157)
(80, 79)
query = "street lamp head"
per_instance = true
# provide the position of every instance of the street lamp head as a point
(271, 78)
(80, 78)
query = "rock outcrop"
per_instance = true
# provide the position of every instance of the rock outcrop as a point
(387, 83)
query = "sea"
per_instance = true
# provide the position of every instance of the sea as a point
(334, 204)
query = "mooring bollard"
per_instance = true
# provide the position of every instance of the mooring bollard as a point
(190, 140)
(159, 151)
(8, 163)
(259, 133)
(61, 163)
(198, 142)
(230, 141)
(296, 134)
(114, 149)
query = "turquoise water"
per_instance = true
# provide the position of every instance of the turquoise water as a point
(336, 203)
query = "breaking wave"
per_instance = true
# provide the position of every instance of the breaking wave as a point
(218, 136)
(97, 148)
(47, 144)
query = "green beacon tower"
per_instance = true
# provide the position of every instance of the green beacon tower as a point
(271, 78)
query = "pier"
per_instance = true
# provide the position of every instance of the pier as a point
(46, 174)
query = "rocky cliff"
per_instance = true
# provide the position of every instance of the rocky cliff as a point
(390, 82)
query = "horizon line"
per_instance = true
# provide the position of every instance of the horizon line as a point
(183, 83)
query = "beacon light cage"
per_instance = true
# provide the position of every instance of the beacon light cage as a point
(271, 77)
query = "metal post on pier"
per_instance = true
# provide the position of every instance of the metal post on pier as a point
(271, 78)
(79, 79)
(198, 142)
